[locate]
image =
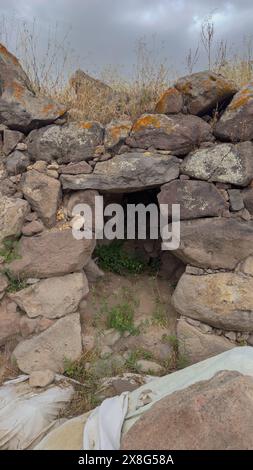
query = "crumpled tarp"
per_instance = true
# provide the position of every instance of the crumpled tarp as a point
(26, 414)
(88, 428)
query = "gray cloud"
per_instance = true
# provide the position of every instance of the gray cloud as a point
(105, 31)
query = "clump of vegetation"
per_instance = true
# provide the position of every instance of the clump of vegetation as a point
(135, 356)
(176, 359)
(113, 258)
(160, 315)
(121, 318)
(9, 250)
(14, 284)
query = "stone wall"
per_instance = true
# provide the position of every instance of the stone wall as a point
(196, 149)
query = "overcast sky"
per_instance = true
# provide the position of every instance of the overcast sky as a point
(105, 31)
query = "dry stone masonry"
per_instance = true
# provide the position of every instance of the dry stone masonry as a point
(49, 164)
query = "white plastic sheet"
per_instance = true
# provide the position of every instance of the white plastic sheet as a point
(27, 414)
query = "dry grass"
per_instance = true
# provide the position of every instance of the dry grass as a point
(50, 62)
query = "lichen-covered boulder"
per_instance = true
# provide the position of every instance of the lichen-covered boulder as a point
(171, 102)
(177, 133)
(72, 142)
(225, 163)
(215, 243)
(236, 123)
(196, 199)
(204, 91)
(116, 132)
(20, 108)
(43, 193)
(52, 253)
(223, 300)
(126, 173)
(12, 216)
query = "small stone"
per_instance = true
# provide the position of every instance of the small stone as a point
(40, 166)
(21, 146)
(41, 378)
(230, 335)
(193, 270)
(149, 366)
(111, 337)
(105, 351)
(205, 328)
(242, 337)
(31, 216)
(53, 174)
(236, 199)
(32, 228)
(53, 166)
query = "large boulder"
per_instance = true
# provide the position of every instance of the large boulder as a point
(177, 133)
(52, 298)
(9, 321)
(204, 91)
(215, 242)
(43, 193)
(213, 414)
(223, 300)
(12, 216)
(73, 142)
(236, 122)
(195, 346)
(20, 108)
(226, 163)
(127, 173)
(50, 349)
(52, 253)
(196, 199)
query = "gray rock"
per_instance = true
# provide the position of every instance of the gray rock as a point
(236, 123)
(223, 300)
(20, 108)
(149, 366)
(50, 349)
(196, 199)
(43, 193)
(215, 242)
(247, 195)
(226, 163)
(73, 142)
(116, 132)
(236, 200)
(203, 91)
(126, 173)
(52, 298)
(11, 139)
(75, 168)
(17, 162)
(178, 133)
(12, 216)
(196, 346)
(52, 253)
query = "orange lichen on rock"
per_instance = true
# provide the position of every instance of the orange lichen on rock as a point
(4, 52)
(242, 98)
(85, 124)
(17, 90)
(171, 95)
(150, 120)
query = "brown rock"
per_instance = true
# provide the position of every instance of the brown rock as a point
(203, 91)
(223, 300)
(32, 228)
(171, 102)
(215, 242)
(43, 193)
(52, 253)
(178, 133)
(196, 199)
(20, 108)
(9, 321)
(214, 414)
(195, 346)
(236, 123)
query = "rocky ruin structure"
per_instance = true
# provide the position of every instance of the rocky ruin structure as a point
(195, 149)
